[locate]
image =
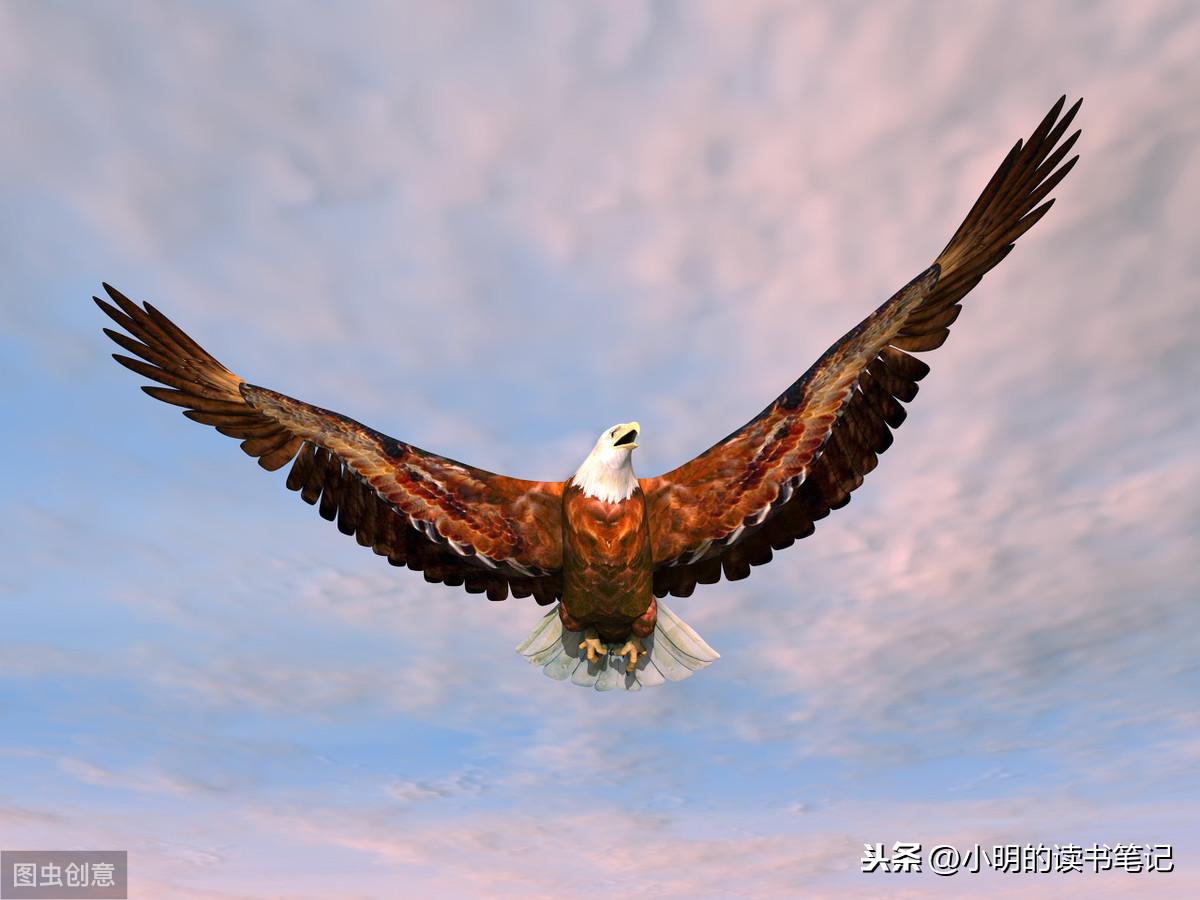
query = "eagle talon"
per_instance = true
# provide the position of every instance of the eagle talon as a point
(632, 647)
(596, 651)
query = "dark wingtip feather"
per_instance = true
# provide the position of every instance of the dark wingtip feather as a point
(112, 312)
(112, 292)
(1040, 211)
(1050, 118)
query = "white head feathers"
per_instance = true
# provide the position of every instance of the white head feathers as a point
(607, 473)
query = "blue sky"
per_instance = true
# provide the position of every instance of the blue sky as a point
(493, 230)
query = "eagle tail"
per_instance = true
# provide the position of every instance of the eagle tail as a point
(675, 652)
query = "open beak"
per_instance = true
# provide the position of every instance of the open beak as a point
(627, 435)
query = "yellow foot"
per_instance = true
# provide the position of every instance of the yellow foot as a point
(632, 647)
(596, 651)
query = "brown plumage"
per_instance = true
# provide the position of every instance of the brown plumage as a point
(404, 503)
(607, 565)
(604, 543)
(763, 487)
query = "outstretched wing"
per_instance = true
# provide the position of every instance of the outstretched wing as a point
(763, 487)
(458, 524)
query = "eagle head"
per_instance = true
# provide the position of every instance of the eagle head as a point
(620, 437)
(607, 473)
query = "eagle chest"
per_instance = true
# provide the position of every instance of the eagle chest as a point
(607, 562)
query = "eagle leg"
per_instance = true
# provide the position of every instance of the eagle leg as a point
(596, 651)
(632, 647)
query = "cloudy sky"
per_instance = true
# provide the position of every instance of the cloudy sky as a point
(492, 230)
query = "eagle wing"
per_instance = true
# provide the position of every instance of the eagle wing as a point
(458, 524)
(764, 486)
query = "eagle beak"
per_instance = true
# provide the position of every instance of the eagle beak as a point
(627, 435)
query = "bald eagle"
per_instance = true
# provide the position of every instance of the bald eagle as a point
(606, 545)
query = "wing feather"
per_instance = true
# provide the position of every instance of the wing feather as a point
(457, 524)
(807, 452)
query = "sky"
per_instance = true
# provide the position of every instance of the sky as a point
(493, 230)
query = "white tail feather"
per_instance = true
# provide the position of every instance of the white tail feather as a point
(675, 652)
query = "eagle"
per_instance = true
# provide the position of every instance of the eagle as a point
(604, 547)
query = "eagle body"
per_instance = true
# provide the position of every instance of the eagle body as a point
(604, 545)
(608, 565)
